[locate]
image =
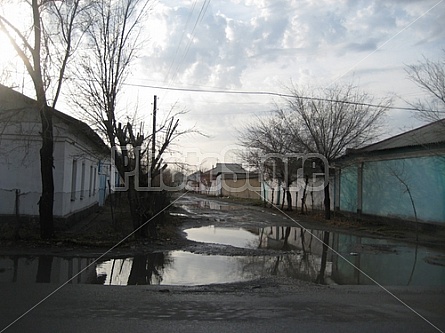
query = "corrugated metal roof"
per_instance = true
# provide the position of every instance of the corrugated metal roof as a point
(432, 133)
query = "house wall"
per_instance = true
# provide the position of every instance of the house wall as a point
(387, 185)
(20, 144)
(249, 188)
(384, 193)
(348, 189)
(84, 193)
(19, 168)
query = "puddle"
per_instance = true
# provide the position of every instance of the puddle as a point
(387, 262)
(179, 268)
(306, 258)
(209, 204)
(172, 268)
(238, 237)
(178, 214)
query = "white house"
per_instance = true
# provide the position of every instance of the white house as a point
(80, 161)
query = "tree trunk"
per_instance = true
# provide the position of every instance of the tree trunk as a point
(46, 202)
(327, 203)
(303, 197)
(289, 200)
(136, 211)
(284, 198)
(131, 195)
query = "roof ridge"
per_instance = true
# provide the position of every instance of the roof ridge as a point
(408, 134)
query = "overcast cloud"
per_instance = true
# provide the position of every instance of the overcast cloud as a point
(263, 45)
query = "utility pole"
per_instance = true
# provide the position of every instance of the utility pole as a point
(153, 142)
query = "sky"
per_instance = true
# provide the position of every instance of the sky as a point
(267, 45)
(244, 46)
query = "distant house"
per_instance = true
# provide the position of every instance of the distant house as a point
(81, 161)
(399, 177)
(193, 182)
(227, 179)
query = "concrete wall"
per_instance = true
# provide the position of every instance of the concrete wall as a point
(348, 189)
(314, 193)
(242, 188)
(20, 143)
(396, 188)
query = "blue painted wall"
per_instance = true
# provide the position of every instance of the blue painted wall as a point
(384, 191)
(385, 194)
(348, 189)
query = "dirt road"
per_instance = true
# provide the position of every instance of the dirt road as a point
(273, 307)
(270, 303)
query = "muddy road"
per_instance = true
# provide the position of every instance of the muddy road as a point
(235, 268)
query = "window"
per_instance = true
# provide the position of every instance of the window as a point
(90, 187)
(74, 180)
(82, 182)
(94, 181)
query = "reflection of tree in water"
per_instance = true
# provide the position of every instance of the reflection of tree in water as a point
(44, 269)
(303, 266)
(287, 265)
(147, 269)
(321, 275)
(15, 272)
(286, 235)
(414, 265)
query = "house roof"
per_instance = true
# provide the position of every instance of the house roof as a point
(423, 138)
(9, 95)
(429, 134)
(224, 168)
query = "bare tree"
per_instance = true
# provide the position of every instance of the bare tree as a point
(113, 42)
(327, 123)
(336, 118)
(430, 77)
(45, 53)
(268, 150)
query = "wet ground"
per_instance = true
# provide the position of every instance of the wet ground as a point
(230, 243)
(241, 268)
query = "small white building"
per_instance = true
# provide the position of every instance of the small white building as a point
(81, 161)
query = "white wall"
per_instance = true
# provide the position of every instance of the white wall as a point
(20, 143)
(19, 170)
(314, 196)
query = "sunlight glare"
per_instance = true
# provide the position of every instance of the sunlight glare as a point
(7, 52)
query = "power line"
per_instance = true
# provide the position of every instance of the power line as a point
(180, 42)
(201, 14)
(270, 93)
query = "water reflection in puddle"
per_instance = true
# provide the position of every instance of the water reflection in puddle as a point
(172, 268)
(238, 237)
(180, 268)
(209, 204)
(387, 262)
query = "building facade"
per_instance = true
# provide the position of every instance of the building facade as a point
(402, 177)
(80, 160)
